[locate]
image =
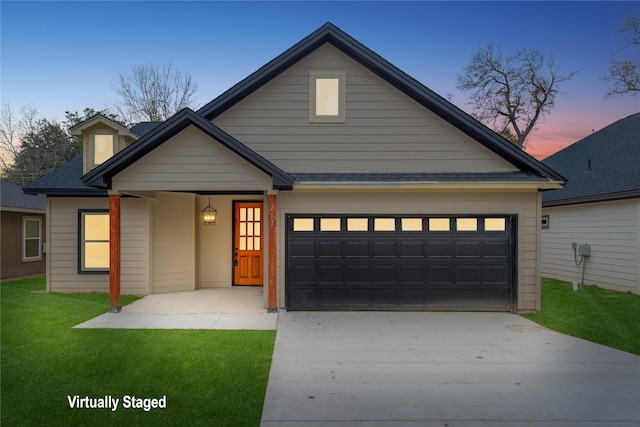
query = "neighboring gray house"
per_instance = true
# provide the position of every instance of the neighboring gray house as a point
(599, 206)
(22, 231)
(338, 181)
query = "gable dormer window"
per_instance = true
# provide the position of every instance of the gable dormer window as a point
(327, 96)
(103, 146)
(102, 138)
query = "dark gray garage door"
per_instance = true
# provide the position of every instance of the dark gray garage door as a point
(367, 262)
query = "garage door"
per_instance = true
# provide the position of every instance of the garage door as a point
(347, 262)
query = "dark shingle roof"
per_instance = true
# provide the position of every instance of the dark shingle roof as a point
(603, 166)
(66, 180)
(12, 196)
(144, 127)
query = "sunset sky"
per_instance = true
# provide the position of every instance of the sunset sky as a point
(66, 55)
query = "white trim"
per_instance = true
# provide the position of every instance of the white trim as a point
(38, 257)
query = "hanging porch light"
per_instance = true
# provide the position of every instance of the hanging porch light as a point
(209, 214)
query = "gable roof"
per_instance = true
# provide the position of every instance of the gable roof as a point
(99, 118)
(603, 166)
(102, 175)
(329, 33)
(12, 197)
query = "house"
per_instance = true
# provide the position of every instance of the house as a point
(334, 180)
(22, 231)
(599, 207)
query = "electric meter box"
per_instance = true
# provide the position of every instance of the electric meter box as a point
(584, 250)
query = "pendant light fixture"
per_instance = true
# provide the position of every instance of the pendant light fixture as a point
(209, 214)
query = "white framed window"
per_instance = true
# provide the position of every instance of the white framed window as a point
(103, 147)
(327, 96)
(31, 239)
(93, 241)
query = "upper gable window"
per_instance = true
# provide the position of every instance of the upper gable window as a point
(103, 146)
(327, 96)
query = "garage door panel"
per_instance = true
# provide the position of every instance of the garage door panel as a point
(358, 273)
(400, 263)
(357, 249)
(438, 298)
(413, 274)
(385, 274)
(329, 274)
(305, 298)
(329, 249)
(412, 249)
(469, 275)
(303, 274)
(441, 273)
(496, 249)
(302, 249)
(468, 249)
(385, 249)
(440, 248)
(497, 274)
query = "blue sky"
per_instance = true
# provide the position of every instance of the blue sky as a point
(66, 55)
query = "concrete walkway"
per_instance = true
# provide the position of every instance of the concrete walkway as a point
(443, 369)
(219, 308)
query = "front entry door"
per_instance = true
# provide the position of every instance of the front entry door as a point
(248, 244)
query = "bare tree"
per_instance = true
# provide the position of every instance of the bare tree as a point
(31, 146)
(12, 130)
(512, 93)
(152, 93)
(624, 68)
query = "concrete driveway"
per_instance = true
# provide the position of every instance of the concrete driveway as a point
(443, 369)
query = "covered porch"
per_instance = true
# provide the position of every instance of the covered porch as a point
(237, 250)
(173, 168)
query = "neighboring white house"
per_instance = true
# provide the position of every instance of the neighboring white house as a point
(340, 183)
(599, 207)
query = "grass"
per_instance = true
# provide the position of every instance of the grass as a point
(209, 377)
(598, 315)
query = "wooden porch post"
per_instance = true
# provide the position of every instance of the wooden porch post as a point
(271, 296)
(114, 253)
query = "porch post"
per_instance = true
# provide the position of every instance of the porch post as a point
(114, 253)
(271, 296)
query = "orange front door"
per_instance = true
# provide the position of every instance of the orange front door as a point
(248, 244)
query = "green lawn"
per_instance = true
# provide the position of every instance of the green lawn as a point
(209, 378)
(598, 315)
